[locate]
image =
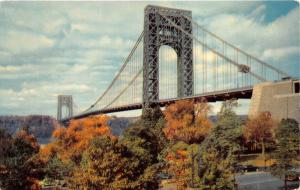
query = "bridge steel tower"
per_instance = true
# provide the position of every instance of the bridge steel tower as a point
(67, 101)
(157, 32)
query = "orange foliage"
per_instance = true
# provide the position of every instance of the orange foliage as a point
(187, 122)
(182, 153)
(47, 151)
(73, 140)
(22, 134)
(260, 129)
(35, 185)
(179, 166)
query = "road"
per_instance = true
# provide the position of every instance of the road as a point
(262, 181)
(254, 181)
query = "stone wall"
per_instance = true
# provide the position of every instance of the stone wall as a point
(279, 98)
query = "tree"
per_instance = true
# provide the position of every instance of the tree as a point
(216, 158)
(108, 164)
(20, 166)
(260, 129)
(180, 164)
(151, 116)
(56, 169)
(145, 140)
(187, 122)
(287, 147)
(145, 137)
(128, 163)
(72, 141)
(64, 154)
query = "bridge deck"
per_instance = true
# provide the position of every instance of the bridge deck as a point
(245, 92)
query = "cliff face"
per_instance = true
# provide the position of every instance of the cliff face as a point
(43, 126)
(40, 126)
(119, 125)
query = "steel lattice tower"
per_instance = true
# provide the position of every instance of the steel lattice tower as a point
(157, 32)
(64, 100)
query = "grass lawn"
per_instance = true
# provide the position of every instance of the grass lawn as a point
(256, 160)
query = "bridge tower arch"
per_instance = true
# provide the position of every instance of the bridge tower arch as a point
(64, 101)
(157, 32)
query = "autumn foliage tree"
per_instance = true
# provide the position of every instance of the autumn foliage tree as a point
(187, 122)
(20, 165)
(260, 130)
(130, 162)
(99, 160)
(180, 164)
(64, 154)
(72, 141)
(108, 164)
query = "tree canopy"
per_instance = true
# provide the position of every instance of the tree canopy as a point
(216, 159)
(260, 129)
(287, 148)
(20, 166)
(107, 164)
(187, 122)
(72, 141)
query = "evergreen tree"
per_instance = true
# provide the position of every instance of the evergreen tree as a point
(56, 169)
(216, 156)
(287, 149)
(145, 137)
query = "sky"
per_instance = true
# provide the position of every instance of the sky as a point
(51, 48)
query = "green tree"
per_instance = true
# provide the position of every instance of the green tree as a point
(216, 156)
(146, 140)
(151, 116)
(287, 147)
(20, 166)
(145, 137)
(56, 169)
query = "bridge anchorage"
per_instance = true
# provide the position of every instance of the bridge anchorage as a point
(207, 67)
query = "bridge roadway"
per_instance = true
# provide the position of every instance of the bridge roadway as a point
(237, 93)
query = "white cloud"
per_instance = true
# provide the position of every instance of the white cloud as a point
(79, 68)
(258, 13)
(277, 54)
(254, 36)
(8, 69)
(23, 93)
(22, 42)
(65, 88)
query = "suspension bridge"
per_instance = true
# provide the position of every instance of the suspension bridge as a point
(206, 66)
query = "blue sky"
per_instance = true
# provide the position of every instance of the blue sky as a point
(51, 48)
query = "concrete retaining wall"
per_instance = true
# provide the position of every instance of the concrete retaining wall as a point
(279, 98)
